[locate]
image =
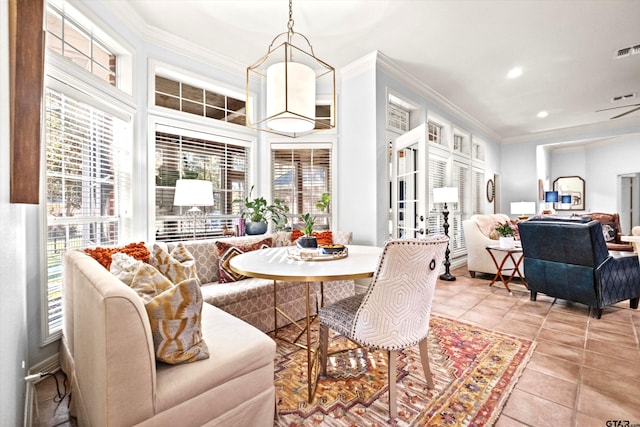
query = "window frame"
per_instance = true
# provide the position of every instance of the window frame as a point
(314, 142)
(190, 129)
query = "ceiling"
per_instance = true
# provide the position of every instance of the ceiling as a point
(461, 49)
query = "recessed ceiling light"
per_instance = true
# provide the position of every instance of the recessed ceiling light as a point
(514, 72)
(542, 114)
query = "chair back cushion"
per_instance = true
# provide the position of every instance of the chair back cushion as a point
(395, 310)
(561, 257)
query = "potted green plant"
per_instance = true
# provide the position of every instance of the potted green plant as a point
(507, 235)
(257, 212)
(323, 205)
(307, 240)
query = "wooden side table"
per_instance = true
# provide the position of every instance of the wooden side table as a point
(500, 265)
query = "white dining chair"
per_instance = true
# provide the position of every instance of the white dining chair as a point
(393, 313)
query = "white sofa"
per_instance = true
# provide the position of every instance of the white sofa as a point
(108, 353)
(477, 231)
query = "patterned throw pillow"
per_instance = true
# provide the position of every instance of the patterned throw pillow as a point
(124, 267)
(148, 282)
(103, 255)
(609, 231)
(176, 325)
(177, 266)
(226, 251)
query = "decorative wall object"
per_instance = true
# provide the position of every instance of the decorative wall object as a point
(491, 190)
(570, 186)
(26, 69)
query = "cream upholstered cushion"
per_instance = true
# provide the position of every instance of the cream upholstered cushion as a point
(124, 267)
(177, 266)
(175, 318)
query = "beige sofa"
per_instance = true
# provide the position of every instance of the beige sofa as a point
(477, 234)
(108, 353)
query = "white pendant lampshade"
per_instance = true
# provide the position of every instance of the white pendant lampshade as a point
(291, 97)
(289, 91)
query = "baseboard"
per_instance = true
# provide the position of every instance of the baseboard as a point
(50, 365)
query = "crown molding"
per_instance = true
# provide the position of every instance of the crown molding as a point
(155, 36)
(397, 72)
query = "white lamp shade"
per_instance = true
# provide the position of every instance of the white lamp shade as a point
(291, 97)
(445, 195)
(523, 208)
(193, 192)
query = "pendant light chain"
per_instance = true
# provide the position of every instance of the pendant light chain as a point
(290, 23)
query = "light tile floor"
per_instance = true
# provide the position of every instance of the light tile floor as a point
(584, 371)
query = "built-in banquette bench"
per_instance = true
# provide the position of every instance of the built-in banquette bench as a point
(251, 299)
(110, 348)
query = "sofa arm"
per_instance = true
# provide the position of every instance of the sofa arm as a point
(618, 279)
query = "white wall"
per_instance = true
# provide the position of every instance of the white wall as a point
(357, 153)
(13, 332)
(599, 161)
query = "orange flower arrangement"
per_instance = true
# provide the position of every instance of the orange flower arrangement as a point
(103, 255)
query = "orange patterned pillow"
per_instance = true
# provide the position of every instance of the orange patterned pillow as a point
(148, 282)
(177, 266)
(175, 317)
(323, 237)
(103, 255)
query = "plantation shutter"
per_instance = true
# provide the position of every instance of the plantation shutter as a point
(460, 180)
(299, 177)
(84, 183)
(477, 182)
(437, 179)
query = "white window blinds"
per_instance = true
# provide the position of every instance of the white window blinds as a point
(437, 179)
(184, 154)
(299, 177)
(84, 183)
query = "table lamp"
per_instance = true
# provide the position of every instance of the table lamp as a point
(523, 209)
(194, 193)
(565, 199)
(550, 197)
(446, 195)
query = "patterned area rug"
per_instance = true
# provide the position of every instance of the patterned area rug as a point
(474, 371)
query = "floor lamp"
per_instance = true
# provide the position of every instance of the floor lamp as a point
(194, 193)
(446, 195)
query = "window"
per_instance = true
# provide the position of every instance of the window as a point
(299, 177)
(477, 150)
(70, 39)
(192, 99)
(84, 185)
(186, 154)
(434, 133)
(461, 143)
(397, 118)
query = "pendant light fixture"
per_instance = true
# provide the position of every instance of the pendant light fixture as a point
(293, 89)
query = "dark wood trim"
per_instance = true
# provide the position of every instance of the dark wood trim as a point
(26, 68)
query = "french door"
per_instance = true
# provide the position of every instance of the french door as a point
(409, 189)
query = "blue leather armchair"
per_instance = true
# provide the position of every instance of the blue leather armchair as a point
(569, 259)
